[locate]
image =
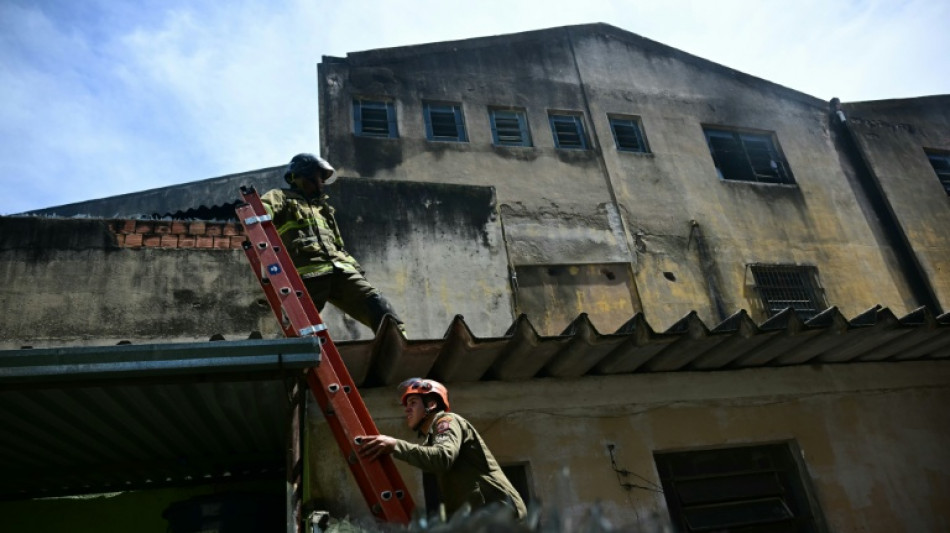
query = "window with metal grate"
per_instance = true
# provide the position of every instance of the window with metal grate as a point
(784, 286)
(568, 131)
(444, 122)
(749, 488)
(509, 127)
(628, 134)
(374, 118)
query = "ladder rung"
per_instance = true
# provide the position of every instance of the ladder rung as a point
(257, 219)
(311, 330)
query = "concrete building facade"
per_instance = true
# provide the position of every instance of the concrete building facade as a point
(659, 287)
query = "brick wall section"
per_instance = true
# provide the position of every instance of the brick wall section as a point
(177, 234)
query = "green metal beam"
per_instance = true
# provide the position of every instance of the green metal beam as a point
(156, 361)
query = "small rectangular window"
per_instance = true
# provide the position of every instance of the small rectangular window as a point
(444, 122)
(628, 134)
(748, 488)
(374, 118)
(568, 131)
(746, 156)
(941, 163)
(784, 286)
(509, 127)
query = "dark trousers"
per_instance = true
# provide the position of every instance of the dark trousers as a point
(352, 294)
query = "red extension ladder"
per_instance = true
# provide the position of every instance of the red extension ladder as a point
(329, 381)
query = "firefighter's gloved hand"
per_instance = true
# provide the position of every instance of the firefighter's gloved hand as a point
(374, 446)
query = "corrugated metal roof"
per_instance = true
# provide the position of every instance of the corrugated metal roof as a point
(689, 345)
(113, 418)
(116, 418)
(208, 199)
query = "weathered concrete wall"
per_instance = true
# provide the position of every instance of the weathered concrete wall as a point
(872, 436)
(555, 204)
(434, 250)
(66, 282)
(892, 135)
(653, 211)
(817, 221)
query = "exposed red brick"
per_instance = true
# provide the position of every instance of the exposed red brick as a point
(179, 228)
(133, 240)
(186, 241)
(152, 240)
(202, 241)
(231, 229)
(238, 242)
(222, 243)
(120, 240)
(196, 228)
(126, 226)
(169, 241)
(213, 230)
(163, 228)
(143, 227)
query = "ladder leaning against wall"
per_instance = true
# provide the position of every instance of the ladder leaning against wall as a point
(329, 381)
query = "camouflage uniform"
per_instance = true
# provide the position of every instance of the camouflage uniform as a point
(465, 469)
(310, 233)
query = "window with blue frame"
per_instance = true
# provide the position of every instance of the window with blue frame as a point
(444, 122)
(509, 127)
(628, 134)
(941, 163)
(568, 131)
(374, 118)
(747, 156)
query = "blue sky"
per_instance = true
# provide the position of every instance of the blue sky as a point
(106, 97)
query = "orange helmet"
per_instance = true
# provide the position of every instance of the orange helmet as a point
(424, 387)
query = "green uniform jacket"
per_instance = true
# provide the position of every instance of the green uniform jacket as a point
(465, 469)
(309, 231)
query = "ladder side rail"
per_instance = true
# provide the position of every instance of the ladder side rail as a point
(269, 292)
(387, 495)
(350, 453)
(374, 480)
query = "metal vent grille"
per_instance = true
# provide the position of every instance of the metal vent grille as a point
(784, 286)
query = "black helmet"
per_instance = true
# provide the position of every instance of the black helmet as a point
(303, 164)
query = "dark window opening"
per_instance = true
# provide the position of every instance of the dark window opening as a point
(444, 122)
(784, 286)
(517, 474)
(509, 127)
(374, 118)
(758, 489)
(941, 163)
(628, 134)
(568, 132)
(751, 157)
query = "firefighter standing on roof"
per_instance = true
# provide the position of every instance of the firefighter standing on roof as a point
(306, 225)
(465, 469)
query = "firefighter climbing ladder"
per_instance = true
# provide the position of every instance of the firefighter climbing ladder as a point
(329, 381)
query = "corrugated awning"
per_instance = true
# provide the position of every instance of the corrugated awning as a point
(80, 420)
(689, 345)
(105, 419)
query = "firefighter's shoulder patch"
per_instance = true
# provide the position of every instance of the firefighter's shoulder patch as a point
(443, 424)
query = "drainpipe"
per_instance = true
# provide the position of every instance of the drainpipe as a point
(907, 260)
(595, 141)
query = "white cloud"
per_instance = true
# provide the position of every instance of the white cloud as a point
(102, 97)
